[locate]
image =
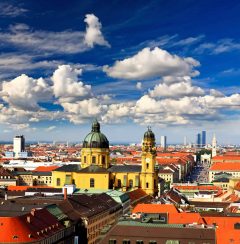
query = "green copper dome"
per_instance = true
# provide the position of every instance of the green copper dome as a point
(95, 139)
(149, 134)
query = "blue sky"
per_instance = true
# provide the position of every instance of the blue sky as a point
(173, 65)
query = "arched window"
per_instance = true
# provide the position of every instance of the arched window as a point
(92, 182)
(58, 181)
(147, 185)
(85, 159)
(130, 183)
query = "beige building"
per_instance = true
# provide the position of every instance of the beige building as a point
(231, 168)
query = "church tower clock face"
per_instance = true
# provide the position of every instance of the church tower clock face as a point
(148, 160)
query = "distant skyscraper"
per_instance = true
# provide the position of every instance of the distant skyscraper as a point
(18, 145)
(198, 140)
(164, 142)
(185, 141)
(214, 146)
(203, 138)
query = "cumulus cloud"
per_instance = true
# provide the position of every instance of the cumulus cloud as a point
(81, 111)
(183, 88)
(173, 101)
(66, 85)
(93, 33)
(25, 93)
(117, 112)
(149, 63)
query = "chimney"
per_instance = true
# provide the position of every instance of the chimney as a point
(33, 211)
(65, 193)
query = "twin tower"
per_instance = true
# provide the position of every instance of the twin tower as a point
(95, 152)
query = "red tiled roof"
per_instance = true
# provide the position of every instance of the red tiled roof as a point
(25, 188)
(155, 208)
(225, 229)
(225, 166)
(42, 224)
(46, 168)
(185, 218)
(137, 194)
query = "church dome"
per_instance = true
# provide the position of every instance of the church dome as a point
(149, 134)
(95, 139)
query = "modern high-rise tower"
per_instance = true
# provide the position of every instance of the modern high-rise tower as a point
(163, 142)
(18, 145)
(203, 144)
(198, 140)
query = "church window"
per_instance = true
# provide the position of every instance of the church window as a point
(147, 185)
(93, 159)
(85, 159)
(147, 165)
(130, 183)
(103, 159)
(92, 181)
(58, 181)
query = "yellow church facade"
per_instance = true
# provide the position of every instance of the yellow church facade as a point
(96, 172)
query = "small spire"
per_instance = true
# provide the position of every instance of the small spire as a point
(95, 126)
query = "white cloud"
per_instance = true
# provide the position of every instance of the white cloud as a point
(50, 128)
(216, 93)
(25, 93)
(183, 88)
(9, 10)
(117, 112)
(50, 42)
(93, 33)
(174, 101)
(139, 85)
(81, 111)
(66, 85)
(188, 41)
(221, 46)
(149, 63)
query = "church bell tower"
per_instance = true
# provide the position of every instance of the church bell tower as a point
(149, 173)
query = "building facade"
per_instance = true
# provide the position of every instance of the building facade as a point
(96, 172)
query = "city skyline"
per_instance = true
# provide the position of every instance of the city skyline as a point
(169, 65)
